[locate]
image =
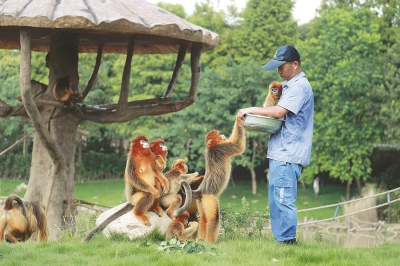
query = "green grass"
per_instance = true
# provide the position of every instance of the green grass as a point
(238, 250)
(8, 187)
(107, 192)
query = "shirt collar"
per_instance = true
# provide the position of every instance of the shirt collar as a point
(294, 79)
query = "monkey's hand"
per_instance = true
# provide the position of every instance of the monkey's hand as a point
(155, 192)
(162, 191)
(163, 181)
(160, 162)
(239, 121)
(188, 177)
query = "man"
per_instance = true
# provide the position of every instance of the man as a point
(290, 148)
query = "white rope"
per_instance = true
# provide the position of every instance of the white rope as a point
(345, 202)
(15, 144)
(349, 214)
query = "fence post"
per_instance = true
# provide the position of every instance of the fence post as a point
(336, 211)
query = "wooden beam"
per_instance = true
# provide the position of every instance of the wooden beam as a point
(177, 70)
(95, 71)
(124, 93)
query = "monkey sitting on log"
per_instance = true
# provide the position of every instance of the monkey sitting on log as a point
(23, 218)
(65, 92)
(141, 172)
(160, 150)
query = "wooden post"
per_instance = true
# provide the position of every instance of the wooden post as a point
(124, 93)
(177, 70)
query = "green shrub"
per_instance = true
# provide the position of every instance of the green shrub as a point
(15, 166)
(243, 222)
(100, 166)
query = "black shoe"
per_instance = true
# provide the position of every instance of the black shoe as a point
(290, 242)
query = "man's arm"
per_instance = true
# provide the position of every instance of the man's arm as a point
(272, 111)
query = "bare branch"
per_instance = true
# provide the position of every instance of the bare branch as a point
(177, 70)
(195, 66)
(95, 71)
(111, 107)
(42, 102)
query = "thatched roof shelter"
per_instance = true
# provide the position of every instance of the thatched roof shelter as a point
(111, 22)
(63, 29)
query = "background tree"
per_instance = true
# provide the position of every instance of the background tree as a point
(345, 68)
(266, 25)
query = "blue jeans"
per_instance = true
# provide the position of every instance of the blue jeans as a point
(282, 193)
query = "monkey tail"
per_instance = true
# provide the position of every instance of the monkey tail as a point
(8, 205)
(196, 194)
(39, 212)
(128, 207)
(188, 200)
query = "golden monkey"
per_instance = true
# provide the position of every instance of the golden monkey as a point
(218, 155)
(142, 170)
(128, 207)
(23, 218)
(63, 91)
(177, 228)
(160, 150)
(274, 93)
(172, 200)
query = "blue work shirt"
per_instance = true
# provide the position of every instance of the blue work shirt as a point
(293, 142)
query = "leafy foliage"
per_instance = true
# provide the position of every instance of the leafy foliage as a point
(390, 90)
(266, 26)
(187, 247)
(345, 73)
(349, 52)
(243, 222)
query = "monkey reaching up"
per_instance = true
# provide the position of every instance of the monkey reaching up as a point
(274, 93)
(218, 154)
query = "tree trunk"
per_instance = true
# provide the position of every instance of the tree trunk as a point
(358, 182)
(348, 190)
(62, 60)
(252, 170)
(253, 181)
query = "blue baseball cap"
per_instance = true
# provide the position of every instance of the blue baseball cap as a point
(284, 54)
